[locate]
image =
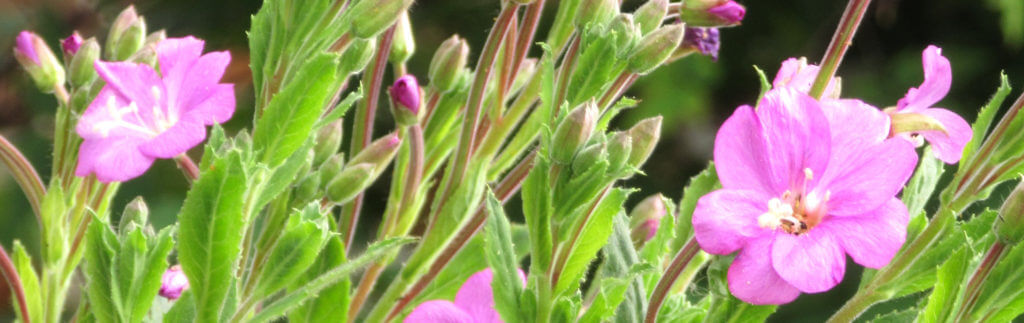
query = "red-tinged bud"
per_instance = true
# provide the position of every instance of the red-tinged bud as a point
(655, 48)
(573, 132)
(645, 218)
(39, 61)
(447, 63)
(173, 283)
(25, 46)
(72, 44)
(644, 135)
(711, 13)
(405, 100)
(730, 12)
(380, 152)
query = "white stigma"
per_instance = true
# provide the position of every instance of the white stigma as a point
(778, 211)
(808, 174)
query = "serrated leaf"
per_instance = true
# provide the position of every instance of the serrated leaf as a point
(29, 282)
(331, 303)
(146, 280)
(183, 310)
(537, 211)
(290, 116)
(500, 253)
(705, 182)
(594, 231)
(294, 252)
(100, 247)
(210, 233)
(907, 315)
(946, 296)
(1001, 298)
(596, 67)
(986, 114)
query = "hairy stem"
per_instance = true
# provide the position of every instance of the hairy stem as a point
(188, 167)
(675, 268)
(841, 41)
(24, 174)
(973, 289)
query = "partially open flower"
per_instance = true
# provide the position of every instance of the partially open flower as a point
(173, 283)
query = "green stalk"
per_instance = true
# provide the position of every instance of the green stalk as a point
(841, 41)
(24, 174)
(672, 273)
(14, 281)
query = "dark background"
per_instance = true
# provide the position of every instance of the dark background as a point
(694, 95)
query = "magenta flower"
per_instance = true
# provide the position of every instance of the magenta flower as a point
(140, 115)
(703, 39)
(71, 44)
(802, 187)
(474, 303)
(173, 283)
(730, 11)
(947, 144)
(406, 92)
(797, 74)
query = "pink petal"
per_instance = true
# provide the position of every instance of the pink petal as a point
(177, 139)
(854, 125)
(868, 176)
(103, 119)
(753, 280)
(438, 311)
(741, 157)
(476, 297)
(176, 57)
(948, 146)
(871, 239)
(938, 75)
(201, 80)
(218, 106)
(136, 83)
(812, 262)
(725, 219)
(797, 137)
(797, 74)
(114, 159)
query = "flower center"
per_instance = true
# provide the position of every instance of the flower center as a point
(128, 118)
(795, 213)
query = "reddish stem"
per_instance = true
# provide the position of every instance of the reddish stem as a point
(669, 278)
(11, 275)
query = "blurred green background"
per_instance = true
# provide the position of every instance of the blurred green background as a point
(694, 95)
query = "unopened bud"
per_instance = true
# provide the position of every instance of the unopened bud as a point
(711, 13)
(650, 15)
(655, 48)
(71, 44)
(644, 137)
(308, 189)
(127, 35)
(350, 182)
(1009, 226)
(330, 168)
(588, 157)
(39, 61)
(380, 152)
(620, 145)
(405, 100)
(596, 12)
(645, 218)
(371, 17)
(573, 132)
(173, 283)
(627, 34)
(135, 214)
(704, 40)
(403, 44)
(447, 63)
(82, 67)
(357, 55)
(328, 140)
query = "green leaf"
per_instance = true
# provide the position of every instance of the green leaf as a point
(596, 67)
(537, 211)
(290, 301)
(104, 296)
(53, 213)
(594, 231)
(986, 115)
(725, 307)
(1001, 298)
(289, 118)
(907, 315)
(340, 109)
(453, 213)
(921, 186)
(29, 282)
(183, 310)
(294, 252)
(209, 241)
(946, 296)
(765, 85)
(621, 292)
(501, 255)
(705, 182)
(282, 177)
(331, 304)
(145, 272)
(214, 145)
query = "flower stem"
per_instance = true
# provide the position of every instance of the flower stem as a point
(973, 289)
(11, 275)
(621, 83)
(565, 71)
(664, 285)
(188, 167)
(24, 174)
(841, 41)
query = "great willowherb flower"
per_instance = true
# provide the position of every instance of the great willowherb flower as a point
(802, 187)
(173, 283)
(914, 115)
(140, 115)
(474, 303)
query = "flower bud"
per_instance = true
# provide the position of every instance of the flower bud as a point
(711, 13)
(655, 48)
(173, 283)
(328, 140)
(380, 152)
(645, 218)
(127, 35)
(627, 34)
(588, 157)
(597, 12)
(357, 55)
(330, 168)
(39, 61)
(620, 145)
(71, 44)
(447, 63)
(650, 15)
(82, 70)
(1009, 226)
(135, 214)
(308, 189)
(644, 137)
(704, 40)
(573, 132)
(405, 100)
(371, 17)
(403, 44)
(350, 182)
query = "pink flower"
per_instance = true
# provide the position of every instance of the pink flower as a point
(173, 283)
(406, 92)
(803, 185)
(140, 115)
(474, 303)
(947, 145)
(796, 73)
(730, 11)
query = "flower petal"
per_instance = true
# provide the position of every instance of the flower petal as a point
(111, 114)
(217, 107)
(725, 219)
(438, 311)
(938, 75)
(871, 239)
(176, 56)
(177, 139)
(476, 297)
(753, 280)
(741, 158)
(868, 177)
(136, 83)
(797, 137)
(854, 126)
(114, 159)
(812, 262)
(201, 80)
(948, 146)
